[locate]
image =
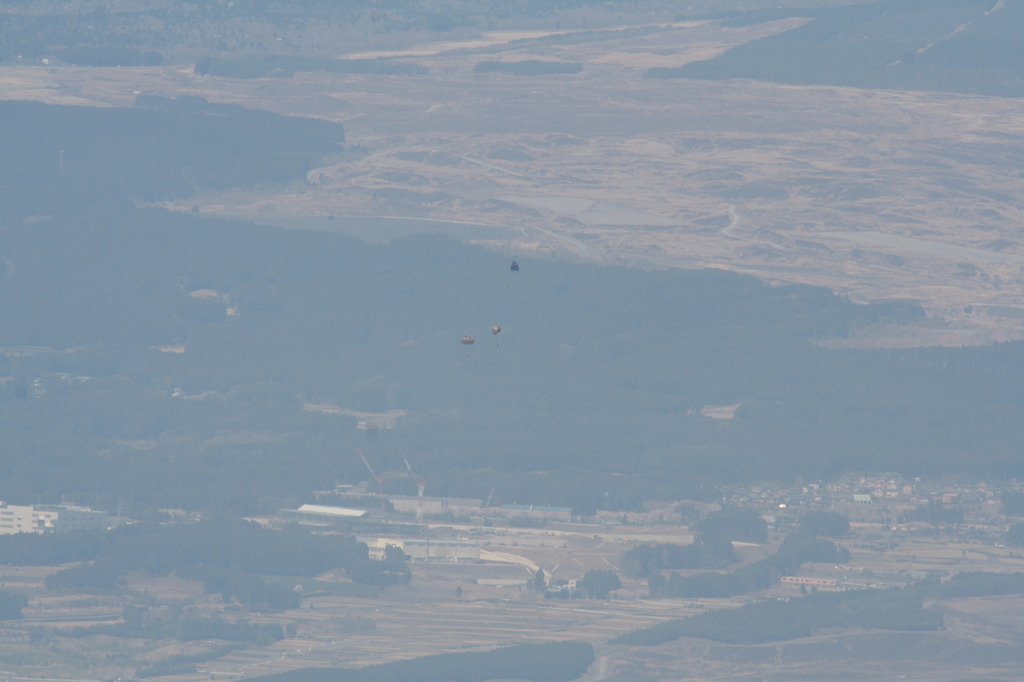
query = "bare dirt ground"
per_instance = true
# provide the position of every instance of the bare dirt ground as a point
(876, 194)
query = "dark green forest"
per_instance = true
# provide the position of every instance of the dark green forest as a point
(133, 32)
(941, 45)
(776, 621)
(714, 551)
(590, 397)
(11, 604)
(796, 549)
(61, 159)
(226, 555)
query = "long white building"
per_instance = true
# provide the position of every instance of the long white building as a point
(49, 518)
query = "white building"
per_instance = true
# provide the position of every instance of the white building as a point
(409, 504)
(323, 515)
(421, 549)
(531, 511)
(49, 518)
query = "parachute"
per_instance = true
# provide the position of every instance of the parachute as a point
(496, 329)
(467, 340)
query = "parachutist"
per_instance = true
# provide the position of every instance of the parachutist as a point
(515, 266)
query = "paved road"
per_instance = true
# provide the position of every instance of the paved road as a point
(508, 558)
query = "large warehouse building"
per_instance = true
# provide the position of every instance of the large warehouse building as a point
(49, 518)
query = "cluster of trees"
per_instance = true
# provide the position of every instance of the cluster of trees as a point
(93, 578)
(706, 551)
(773, 621)
(1015, 535)
(798, 547)
(829, 524)
(323, 333)
(976, 584)
(60, 158)
(247, 589)
(390, 570)
(554, 662)
(971, 49)
(741, 525)
(596, 584)
(1012, 503)
(711, 547)
(228, 556)
(599, 584)
(11, 604)
(310, 27)
(612, 362)
(182, 30)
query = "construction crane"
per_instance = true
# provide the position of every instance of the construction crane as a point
(421, 485)
(380, 481)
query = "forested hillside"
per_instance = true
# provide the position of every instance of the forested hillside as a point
(68, 158)
(970, 46)
(161, 359)
(596, 369)
(133, 32)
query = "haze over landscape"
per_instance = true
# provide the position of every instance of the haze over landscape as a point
(419, 340)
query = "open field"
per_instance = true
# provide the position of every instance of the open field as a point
(494, 608)
(481, 605)
(876, 194)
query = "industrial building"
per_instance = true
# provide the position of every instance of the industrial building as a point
(421, 549)
(532, 511)
(50, 518)
(322, 515)
(409, 504)
(826, 583)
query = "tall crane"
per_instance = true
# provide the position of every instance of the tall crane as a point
(380, 481)
(421, 485)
